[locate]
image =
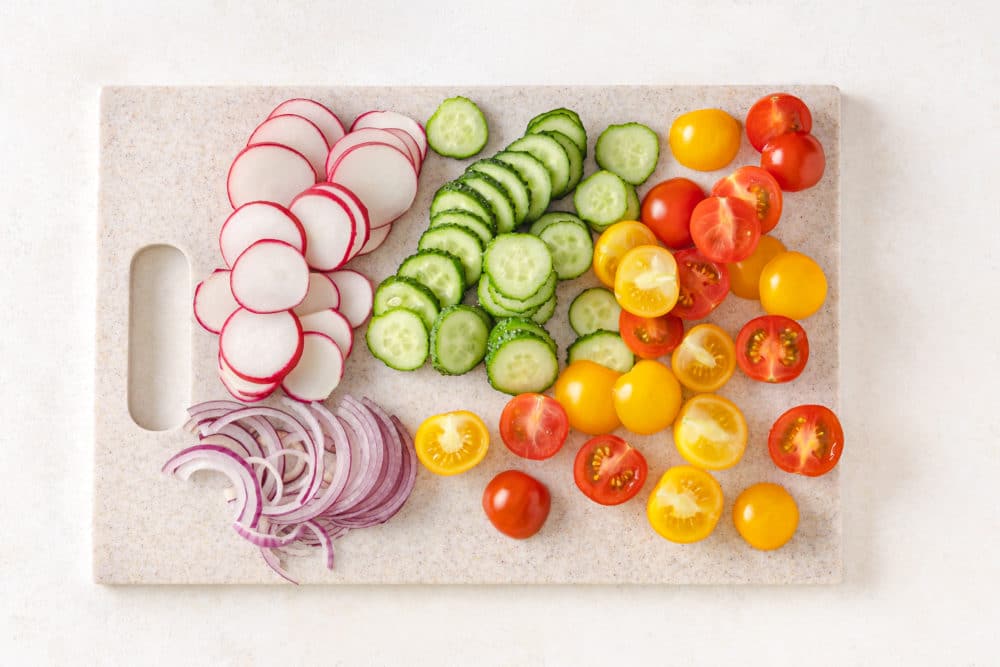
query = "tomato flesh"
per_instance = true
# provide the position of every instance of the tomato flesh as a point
(651, 337)
(667, 209)
(796, 161)
(534, 426)
(772, 348)
(774, 115)
(725, 229)
(808, 440)
(609, 471)
(516, 504)
(756, 187)
(704, 284)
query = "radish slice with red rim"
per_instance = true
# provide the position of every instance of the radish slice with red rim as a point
(333, 324)
(319, 370)
(268, 172)
(261, 347)
(330, 228)
(362, 226)
(256, 221)
(411, 146)
(377, 238)
(356, 295)
(368, 135)
(322, 294)
(295, 132)
(393, 119)
(214, 301)
(269, 277)
(327, 121)
(381, 176)
(243, 389)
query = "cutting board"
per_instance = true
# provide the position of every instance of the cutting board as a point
(165, 153)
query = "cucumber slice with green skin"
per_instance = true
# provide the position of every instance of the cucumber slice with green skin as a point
(575, 156)
(458, 340)
(517, 264)
(512, 183)
(454, 195)
(546, 311)
(593, 309)
(457, 128)
(469, 221)
(563, 110)
(550, 218)
(486, 317)
(458, 241)
(494, 193)
(505, 327)
(552, 154)
(534, 173)
(399, 339)
(603, 347)
(572, 247)
(633, 209)
(522, 363)
(439, 271)
(524, 306)
(489, 304)
(560, 121)
(630, 150)
(399, 292)
(602, 199)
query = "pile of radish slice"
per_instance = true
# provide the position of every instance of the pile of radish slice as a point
(307, 197)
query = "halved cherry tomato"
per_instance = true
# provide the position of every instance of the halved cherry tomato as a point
(646, 281)
(705, 359)
(796, 161)
(685, 505)
(534, 426)
(451, 443)
(650, 337)
(705, 139)
(758, 188)
(725, 229)
(667, 208)
(711, 432)
(808, 440)
(772, 348)
(614, 242)
(766, 516)
(776, 114)
(744, 276)
(516, 504)
(608, 470)
(793, 285)
(647, 397)
(704, 284)
(584, 390)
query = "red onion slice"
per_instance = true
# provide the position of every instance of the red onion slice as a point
(230, 464)
(267, 539)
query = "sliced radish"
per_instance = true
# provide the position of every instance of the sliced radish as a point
(297, 133)
(261, 347)
(327, 121)
(330, 228)
(256, 221)
(322, 294)
(356, 295)
(333, 324)
(243, 389)
(319, 369)
(392, 119)
(411, 146)
(381, 176)
(214, 301)
(377, 238)
(368, 135)
(268, 172)
(270, 276)
(362, 227)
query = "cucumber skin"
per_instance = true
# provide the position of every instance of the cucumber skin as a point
(600, 333)
(491, 360)
(429, 132)
(435, 331)
(376, 319)
(606, 136)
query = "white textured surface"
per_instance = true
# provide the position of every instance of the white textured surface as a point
(919, 365)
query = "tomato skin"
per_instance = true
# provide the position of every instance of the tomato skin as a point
(516, 504)
(584, 390)
(667, 209)
(725, 229)
(651, 337)
(704, 284)
(796, 161)
(534, 426)
(647, 397)
(793, 285)
(774, 115)
(757, 187)
(808, 440)
(766, 516)
(772, 348)
(705, 139)
(744, 276)
(620, 470)
(612, 245)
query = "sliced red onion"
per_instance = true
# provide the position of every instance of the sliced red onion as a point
(230, 464)
(267, 539)
(390, 476)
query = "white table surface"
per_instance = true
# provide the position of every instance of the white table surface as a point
(921, 228)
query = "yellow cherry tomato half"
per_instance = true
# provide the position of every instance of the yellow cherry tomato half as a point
(685, 505)
(766, 516)
(793, 285)
(646, 281)
(584, 390)
(711, 432)
(705, 359)
(744, 277)
(614, 242)
(451, 443)
(647, 397)
(706, 139)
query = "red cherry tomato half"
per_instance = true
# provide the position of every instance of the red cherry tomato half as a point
(725, 229)
(516, 504)
(667, 208)
(796, 161)
(758, 188)
(807, 440)
(772, 348)
(650, 337)
(774, 115)
(534, 426)
(704, 284)
(608, 470)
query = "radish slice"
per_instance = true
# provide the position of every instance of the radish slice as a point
(356, 295)
(362, 227)
(411, 146)
(319, 369)
(327, 121)
(368, 135)
(261, 347)
(322, 294)
(270, 276)
(268, 172)
(214, 302)
(256, 221)
(381, 176)
(333, 324)
(330, 228)
(243, 389)
(295, 132)
(376, 239)
(392, 119)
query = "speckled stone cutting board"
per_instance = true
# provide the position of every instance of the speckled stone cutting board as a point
(165, 153)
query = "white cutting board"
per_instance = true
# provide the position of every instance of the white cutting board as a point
(164, 157)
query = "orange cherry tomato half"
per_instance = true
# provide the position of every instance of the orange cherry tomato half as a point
(796, 161)
(772, 348)
(516, 504)
(808, 440)
(704, 284)
(667, 207)
(774, 115)
(650, 337)
(725, 229)
(534, 426)
(609, 471)
(758, 188)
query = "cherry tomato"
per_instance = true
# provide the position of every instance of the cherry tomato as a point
(766, 516)
(685, 505)
(646, 281)
(772, 348)
(584, 390)
(704, 284)
(796, 161)
(667, 209)
(647, 397)
(534, 426)
(451, 443)
(793, 285)
(706, 139)
(711, 432)
(807, 439)
(608, 470)
(705, 359)
(516, 504)
(744, 276)
(756, 187)
(776, 114)
(612, 245)
(650, 337)
(725, 229)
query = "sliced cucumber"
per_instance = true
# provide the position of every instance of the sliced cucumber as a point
(494, 193)
(534, 173)
(571, 245)
(524, 306)
(550, 218)
(458, 241)
(630, 150)
(457, 128)
(522, 363)
(510, 325)
(603, 347)
(458, 340)
(512, 183)
(454, 195)
(488, 303)
(399, 339)
(593, 309)
(545, 311)
(517, 264)
(484, 316)
(602, 199)
(399, 292)
(563, 110)
(470, 221)
(439, 271)
(575, 156)
(632, 198)
(560, 121)
(552, 154)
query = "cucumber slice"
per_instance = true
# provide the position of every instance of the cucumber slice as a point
(632, 209)
(534, 173)
(550, 218)
(457, 128)
(454, 195)
(439, 271)
(489, 304)
(458, 340)
(552, 154)
(494, 193)
(512, 183)
(522, 363)
(603, 347)
(563, 110)
(545, 311)
(630, 150)
(517, 264)
(593, 309)
(399, 292)
(461, 243)
(524, 306)
(571, 245)
(602, 199)
(469, 221)
(510, 325)
(575, 156)
(398, 338)
(560, 121)
(484, 316)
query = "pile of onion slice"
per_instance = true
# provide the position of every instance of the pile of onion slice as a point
(302, 476)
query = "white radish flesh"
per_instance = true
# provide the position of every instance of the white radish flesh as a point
(377, 238)
(243, 389)
(256, 221)
(393, 119)
(327, 121)
(368, 135)
(356, 295)
(333, 324)
(411, 146)
(270, 276)
(268, 172)
(322, 294)
(319, 370)
(214, 302)
(297, 133)
(330, 228)
(261, 347)
(381, 176)
(362, 227)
